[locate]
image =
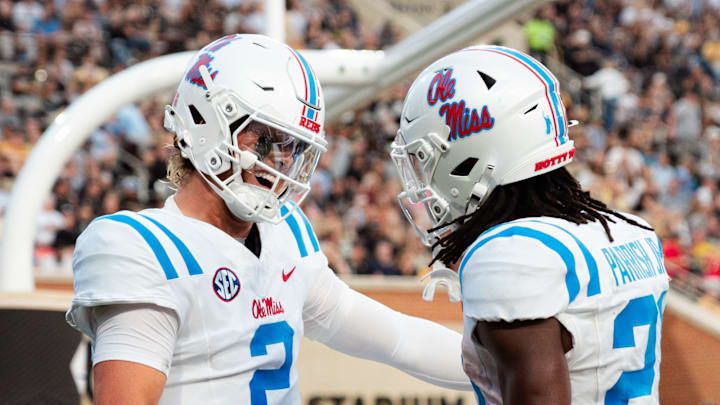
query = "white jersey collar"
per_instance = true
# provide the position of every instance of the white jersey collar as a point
(171, 205)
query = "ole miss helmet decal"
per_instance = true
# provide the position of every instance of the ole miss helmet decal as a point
(193, 74)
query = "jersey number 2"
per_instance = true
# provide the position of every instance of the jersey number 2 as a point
(632, 384)
(263, 380)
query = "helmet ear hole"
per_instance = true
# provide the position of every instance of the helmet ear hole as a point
(464, 168)
(196, 116)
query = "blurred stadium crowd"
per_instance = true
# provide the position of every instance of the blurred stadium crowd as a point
(649, 105)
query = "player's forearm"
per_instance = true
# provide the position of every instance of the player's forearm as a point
(127, 383)
(432, 353)
(426, 350)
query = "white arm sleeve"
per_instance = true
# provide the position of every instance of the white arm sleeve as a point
(352, 323)
(139, 333)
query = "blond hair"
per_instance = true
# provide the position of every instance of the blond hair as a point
(179, 169)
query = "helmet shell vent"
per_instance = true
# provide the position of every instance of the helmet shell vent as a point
(489, 81)
(531, 109)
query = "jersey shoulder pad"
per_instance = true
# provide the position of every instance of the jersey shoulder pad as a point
(524, 269)
(119, 258)
(301, 231)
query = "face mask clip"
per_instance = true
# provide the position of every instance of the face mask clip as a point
(481, 190)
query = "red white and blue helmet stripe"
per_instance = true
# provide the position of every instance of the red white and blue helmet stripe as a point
(312, 91)
(552, 89)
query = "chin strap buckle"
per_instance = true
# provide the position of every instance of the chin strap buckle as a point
(481, 190)
(441, 275)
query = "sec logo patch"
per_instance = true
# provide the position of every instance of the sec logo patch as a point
(226, 284)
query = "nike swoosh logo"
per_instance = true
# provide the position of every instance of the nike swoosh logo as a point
(287, 276)
(410, 120)
(264, 88)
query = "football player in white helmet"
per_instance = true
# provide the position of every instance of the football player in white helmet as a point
(206, 300)
(562, 296)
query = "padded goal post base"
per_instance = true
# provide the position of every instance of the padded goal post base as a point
(36, 347)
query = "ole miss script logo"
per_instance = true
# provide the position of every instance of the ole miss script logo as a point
(462, 120)
(265, 307)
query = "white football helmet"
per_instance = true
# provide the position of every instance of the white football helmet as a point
(249, 115)
(473, 120)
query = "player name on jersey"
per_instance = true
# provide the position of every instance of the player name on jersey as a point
(631, 261)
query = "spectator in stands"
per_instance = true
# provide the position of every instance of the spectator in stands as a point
(382, 260)
(14, 147)
(49, 24)
(8, 113)
(540, 32)
(48, 223)
(6, 17)
(611, 85)
(26, 13)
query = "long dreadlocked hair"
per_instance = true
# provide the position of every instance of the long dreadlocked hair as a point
(554, 194)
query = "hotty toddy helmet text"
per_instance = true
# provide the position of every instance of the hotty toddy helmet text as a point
(473, 120)
(250, 103)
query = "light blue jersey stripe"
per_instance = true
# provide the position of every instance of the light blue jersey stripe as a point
(559, 121)
(192, 264)
(151, 240)
(594, 284)
(571, 280)
(295, 228)
(478, 394)
(308, 227)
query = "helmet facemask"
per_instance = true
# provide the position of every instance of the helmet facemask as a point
(260, 165)
(422, 206)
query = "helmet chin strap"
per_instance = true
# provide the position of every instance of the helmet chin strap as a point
(252, 202)
(246, 201)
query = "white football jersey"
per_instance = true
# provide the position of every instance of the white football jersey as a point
(609, 296)
(241, 317)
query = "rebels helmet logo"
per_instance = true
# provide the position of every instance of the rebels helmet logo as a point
(310, 124)
(226, 284)
(193, 74)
